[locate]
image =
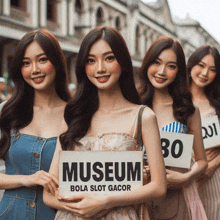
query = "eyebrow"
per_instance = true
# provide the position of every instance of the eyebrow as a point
(106, 53)
(168, 62)
(206, 64)
(41, 54)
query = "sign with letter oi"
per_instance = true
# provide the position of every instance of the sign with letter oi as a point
(210, 132)
(99, 171)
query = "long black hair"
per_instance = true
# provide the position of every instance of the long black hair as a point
(212, 91)
(79, 111)
(17, 113)
(178, 89)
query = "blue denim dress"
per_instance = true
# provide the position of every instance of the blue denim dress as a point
(27, 155)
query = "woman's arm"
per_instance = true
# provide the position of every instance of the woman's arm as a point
(50, 198)
(90, 204)
(41, 177)
(157, 186)
(176, 179)
(212, 153)
(213, 157)
(200, 164)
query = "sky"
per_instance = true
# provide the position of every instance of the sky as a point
(206, 12)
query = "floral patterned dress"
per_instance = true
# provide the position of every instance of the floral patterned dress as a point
(106, 142)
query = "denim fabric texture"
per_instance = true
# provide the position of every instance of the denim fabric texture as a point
(27, 155)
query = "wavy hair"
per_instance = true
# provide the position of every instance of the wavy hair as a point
(17, 113)
(212, 91)
(178, 89)
(79, 111)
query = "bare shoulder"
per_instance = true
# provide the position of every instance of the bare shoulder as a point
(148, 115)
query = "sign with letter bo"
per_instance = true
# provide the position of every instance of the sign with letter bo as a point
(99, 171)
(210, 132)
(176, 149)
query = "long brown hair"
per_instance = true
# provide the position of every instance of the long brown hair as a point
(17, 113)
(178, 89)
(212, 90)
(79, 111)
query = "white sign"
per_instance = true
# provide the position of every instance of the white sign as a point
(99, 171)
(210, 132)
(176, 149)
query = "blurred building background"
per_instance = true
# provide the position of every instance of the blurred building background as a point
(70, 20)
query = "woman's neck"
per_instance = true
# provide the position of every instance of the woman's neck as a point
(111, 100)
(47, 99)
(198, 93)
(162, 96)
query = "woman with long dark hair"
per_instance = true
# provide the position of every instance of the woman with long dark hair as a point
(203, 69)
(164, 88)
(103, 117)
(30, 122)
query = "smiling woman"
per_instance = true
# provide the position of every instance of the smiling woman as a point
(30, 122)
(164, 89)
(102, 68)
(204, 72)
(204, 75)
(103, 116)
(163, 71)
(37, 70)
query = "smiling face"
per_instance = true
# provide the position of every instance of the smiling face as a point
(162, 72)
(102, 68)
(204, 72)
(36, 69)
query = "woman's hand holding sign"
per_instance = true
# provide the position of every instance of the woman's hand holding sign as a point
(212, 166)
(212, 153)
(86, 204)
(213, 157)
(45, 179)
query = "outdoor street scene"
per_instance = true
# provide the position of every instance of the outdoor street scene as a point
(109, 109)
